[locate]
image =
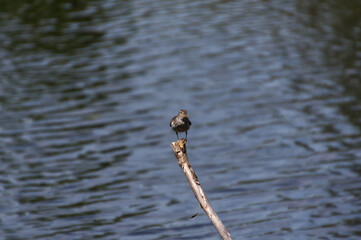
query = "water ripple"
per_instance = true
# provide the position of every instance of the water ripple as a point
(88, 88)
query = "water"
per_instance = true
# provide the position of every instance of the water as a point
(88, 89)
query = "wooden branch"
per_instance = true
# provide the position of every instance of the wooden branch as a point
(180, 152)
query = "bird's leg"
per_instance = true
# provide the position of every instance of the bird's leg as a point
(186, 134)
(177, 135)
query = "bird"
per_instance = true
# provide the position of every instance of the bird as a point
(180, 123)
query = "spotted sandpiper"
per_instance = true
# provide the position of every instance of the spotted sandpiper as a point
(181, 122)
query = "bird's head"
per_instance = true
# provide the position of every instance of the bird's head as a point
(183, 113)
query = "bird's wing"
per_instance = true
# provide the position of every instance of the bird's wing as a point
(187, 120)
(170, 124)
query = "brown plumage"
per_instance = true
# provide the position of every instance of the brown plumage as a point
(181, 122)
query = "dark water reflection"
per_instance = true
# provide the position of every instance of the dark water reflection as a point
(88, 88)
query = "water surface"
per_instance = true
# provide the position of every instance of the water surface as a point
(87, 90)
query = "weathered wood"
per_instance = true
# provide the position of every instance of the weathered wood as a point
(180, 151)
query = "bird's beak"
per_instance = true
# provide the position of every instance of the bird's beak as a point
(186, 115)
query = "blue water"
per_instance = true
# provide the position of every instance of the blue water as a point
(87, 90)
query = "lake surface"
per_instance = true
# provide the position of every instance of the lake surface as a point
(87, 90)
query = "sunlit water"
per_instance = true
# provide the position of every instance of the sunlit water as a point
(88, 89)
